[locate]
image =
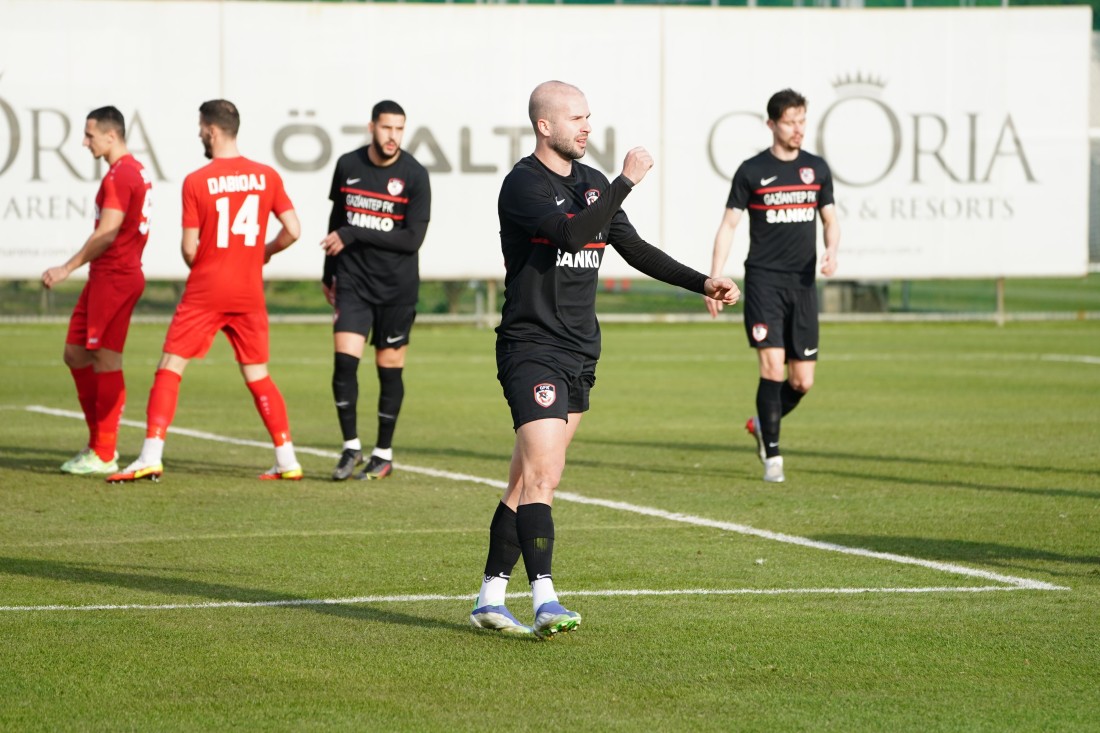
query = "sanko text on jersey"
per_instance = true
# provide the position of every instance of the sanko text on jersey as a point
(586, 258)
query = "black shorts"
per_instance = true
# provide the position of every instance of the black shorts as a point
(387, 325)
(782, 315)
(541, 381)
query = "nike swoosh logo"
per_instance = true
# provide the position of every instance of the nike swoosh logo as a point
(558, 201)
(540, 576)
(342, 404)
(773, 445)
(394, 339)
(810, 352)
(763, 181)
(353, 181)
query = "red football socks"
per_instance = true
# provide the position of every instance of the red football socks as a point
(110, 399)
(272, 408)
(162, 403)
(86, 381)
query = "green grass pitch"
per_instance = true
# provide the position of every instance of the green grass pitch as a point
(963, 460)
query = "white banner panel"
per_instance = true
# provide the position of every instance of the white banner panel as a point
(958, 137)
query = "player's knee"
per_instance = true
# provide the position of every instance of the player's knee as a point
(541, 483)
(75, 357)
(801, 383)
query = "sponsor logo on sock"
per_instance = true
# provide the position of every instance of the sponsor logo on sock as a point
(542, 576)
(773, 445)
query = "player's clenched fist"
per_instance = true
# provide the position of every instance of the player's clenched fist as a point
(637, 163)
(721, 291)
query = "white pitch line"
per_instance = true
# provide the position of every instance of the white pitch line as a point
(567, 496)
(1075, 359)
(806, 542)
(360, 600)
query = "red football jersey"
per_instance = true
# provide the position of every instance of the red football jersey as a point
(125, 188)
(230, 201)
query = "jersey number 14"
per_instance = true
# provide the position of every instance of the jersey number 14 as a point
(246, 223)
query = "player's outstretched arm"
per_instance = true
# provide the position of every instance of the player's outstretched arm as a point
(110, 221)
(288, 234)
(723, 240)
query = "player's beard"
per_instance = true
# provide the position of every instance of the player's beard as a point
(381, 152)
(793, 145)
(566, 147)
(207, 148)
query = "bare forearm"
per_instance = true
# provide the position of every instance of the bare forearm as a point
(95, 246)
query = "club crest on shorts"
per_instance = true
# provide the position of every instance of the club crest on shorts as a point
(759, 331)
(591, 196)
(806, 174)
(545, 394)
(396, 185)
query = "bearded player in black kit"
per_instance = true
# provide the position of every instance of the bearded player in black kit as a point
(556, 217)
(381, 203)
(784, 189)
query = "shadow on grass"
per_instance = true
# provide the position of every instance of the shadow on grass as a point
(749, 447)
(502, 458)
(948, 550)
(175, 587)
(38, 461)
(950, 483)
(946, 466)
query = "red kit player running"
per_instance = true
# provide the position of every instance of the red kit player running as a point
(226, 206)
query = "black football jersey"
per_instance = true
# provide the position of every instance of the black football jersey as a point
(782, 199)
(553, 234)
(381, 214)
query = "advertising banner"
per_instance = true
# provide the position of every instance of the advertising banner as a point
(957, 138)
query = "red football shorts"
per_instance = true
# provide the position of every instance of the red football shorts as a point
(101, 318)
(193, 330)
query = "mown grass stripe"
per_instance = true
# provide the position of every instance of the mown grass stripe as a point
(635, 592)
(1023, 583)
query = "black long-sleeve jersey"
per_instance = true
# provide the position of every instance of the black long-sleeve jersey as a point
(782, 198)
(553, 231)
(381, 214)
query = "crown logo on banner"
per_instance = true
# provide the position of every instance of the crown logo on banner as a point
(859, 84)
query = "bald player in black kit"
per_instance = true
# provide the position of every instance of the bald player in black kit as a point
(556, 218)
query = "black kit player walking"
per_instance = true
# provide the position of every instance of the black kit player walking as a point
(785, 190)
(557, 216)
(381, 204)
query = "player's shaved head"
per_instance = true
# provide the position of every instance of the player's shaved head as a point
(221, 113)
(547, 98)
(386, 107)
